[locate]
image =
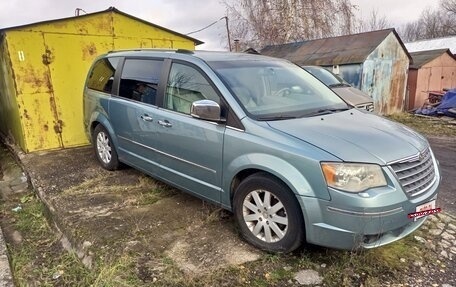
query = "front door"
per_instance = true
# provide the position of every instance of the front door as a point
(190, 148)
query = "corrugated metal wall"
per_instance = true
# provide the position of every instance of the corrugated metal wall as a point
(47, 65)
(384, 76)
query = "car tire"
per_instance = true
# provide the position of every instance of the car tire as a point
(268, 214)
(105, 150)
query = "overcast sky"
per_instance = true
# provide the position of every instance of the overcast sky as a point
(182, 16)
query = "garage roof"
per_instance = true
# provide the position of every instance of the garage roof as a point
(348, 49)
(421, 58)
(110, 9)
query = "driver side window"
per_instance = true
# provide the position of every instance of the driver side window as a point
(186, 85)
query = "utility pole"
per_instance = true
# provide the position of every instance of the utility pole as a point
(228, 32)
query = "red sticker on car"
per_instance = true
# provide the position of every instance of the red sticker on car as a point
(424, 213)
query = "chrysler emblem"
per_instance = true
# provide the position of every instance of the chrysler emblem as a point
(421, 157)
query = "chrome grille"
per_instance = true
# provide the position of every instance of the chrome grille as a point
(417, 174)
(369, 107)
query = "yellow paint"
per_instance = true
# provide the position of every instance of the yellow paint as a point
(26, 51)
(128, 43)
(38, 122)
(99, 24)
(10, 123)
(48, 63)
(68, 88)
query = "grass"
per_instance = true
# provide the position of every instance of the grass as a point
(39, 260)
(38, 256)
(426, 125)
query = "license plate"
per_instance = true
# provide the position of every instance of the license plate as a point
(424, 209)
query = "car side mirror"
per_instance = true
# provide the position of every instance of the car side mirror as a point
(206, 110)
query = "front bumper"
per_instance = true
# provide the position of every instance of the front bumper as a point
(350, 221)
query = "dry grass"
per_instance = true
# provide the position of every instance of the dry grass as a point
(431, 126)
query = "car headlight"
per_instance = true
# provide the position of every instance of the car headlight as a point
(353, 177)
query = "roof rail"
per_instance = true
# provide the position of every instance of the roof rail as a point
(143, 49)
(184, 51)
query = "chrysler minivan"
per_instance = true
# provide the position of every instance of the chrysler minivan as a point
(349, 94)
(263, 138)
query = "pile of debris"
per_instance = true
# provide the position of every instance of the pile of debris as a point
(445, 107)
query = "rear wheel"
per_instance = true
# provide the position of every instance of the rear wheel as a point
(268, 214)
(104, 148)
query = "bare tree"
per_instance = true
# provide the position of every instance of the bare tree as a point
(263, 22)
(440, 22)
(411, 31)
(374, 22)
(449, 6)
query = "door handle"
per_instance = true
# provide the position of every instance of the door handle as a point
(146, 118)
(165, 123)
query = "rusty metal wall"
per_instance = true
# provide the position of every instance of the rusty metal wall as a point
(412, 88)
(384, 76)
(49, 63)
(10, 123)
(436, 75)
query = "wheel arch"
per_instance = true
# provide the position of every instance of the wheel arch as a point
(276, 167)
(100, 119)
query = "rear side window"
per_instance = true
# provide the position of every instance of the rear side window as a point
(102, 75)
(139, 80)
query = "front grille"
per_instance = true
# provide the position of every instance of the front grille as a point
(417, 174)
(369, 107)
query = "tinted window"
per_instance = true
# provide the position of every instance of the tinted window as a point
(102, 75)
(325, 76)
(139, 80)
(186, 85)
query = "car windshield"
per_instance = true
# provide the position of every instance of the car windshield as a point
(326, 76)
(275, 90)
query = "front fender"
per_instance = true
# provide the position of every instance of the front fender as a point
(276, 166)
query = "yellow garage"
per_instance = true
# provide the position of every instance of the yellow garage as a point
(44, 65)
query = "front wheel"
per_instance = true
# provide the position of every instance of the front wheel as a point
(104, 149)
(268, 214)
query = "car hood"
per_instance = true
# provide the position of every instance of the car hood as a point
(352, 95)
(355, 136)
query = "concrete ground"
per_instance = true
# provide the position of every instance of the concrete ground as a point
(444, 149)
(105, 213)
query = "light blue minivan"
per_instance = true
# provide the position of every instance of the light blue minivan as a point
(264, 139)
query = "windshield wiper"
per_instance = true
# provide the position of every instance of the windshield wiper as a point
(276, 118)
(326, 111)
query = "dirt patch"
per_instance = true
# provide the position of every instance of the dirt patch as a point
(214, 246)
(107, 214)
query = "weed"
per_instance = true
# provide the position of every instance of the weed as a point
(38, 258)
(119, 273)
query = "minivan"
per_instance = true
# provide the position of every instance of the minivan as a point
(264, 139)
(349, 94)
